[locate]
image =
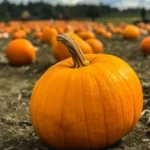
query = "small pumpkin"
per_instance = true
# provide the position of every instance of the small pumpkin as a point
(118, 30)
(96, 99)
(37, 34)
(60, 51)
(100, 30)
(145, 45)
(20, 52)
(96, 45)
(131, 32)
(86, 35)
(19, 34)
(107, 35)
(48, 34)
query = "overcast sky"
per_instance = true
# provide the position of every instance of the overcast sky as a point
(122, 4)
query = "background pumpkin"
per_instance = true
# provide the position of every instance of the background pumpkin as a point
(20, 52)
(60, 51)
(38, 34)
(107, 34)
(145, 45)
(86, 35)
(19, 34)
(96, 45)
(92, 104)
(131, 32)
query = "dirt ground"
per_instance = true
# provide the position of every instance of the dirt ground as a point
(16, 83)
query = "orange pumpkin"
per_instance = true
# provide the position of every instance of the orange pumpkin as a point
(20, 52)
(86, 35)
(60, 50)
(145, 45)
(48, 34)
(96, 45)
(107, 35)
(95, 100)
(19, 34)
(131, 32)
(27, 30)
(100, 31)
(112, 30)
(118, 30)
(37, 34)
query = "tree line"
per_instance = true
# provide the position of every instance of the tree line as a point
(41, 10)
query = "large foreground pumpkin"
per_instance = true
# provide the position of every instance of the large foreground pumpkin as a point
(87, 102)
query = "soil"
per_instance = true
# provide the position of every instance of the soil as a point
(16, 83)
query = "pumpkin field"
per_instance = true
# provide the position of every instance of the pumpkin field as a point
(109, 72)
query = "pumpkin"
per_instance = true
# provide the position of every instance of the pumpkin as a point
(100, 30)
(112, 30)
(37, 34)
(96, 45)
(27, 30)
(131, 32)
(20, 52)
(48, 34)
(107, 35)
(118, 30)
(145, 45)
(60, 51)
(86, 35)
(95, 100)
(19, 34)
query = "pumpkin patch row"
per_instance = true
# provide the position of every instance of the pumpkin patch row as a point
(84, 33)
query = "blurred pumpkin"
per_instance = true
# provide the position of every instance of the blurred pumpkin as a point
(20, 52)
(37, 34)
(96, 45)
(145, 45)
(93, 103)
(107, 34)
(48, 34)
(118, 30)
(112, 30)
(86, 35)
(131, 32)
(19, 34)
(100, 30)
(27, 30)
(60, 50)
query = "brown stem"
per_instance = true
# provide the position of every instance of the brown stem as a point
(75, 51)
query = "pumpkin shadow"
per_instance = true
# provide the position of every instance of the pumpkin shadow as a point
(3, 64)
(117, 144)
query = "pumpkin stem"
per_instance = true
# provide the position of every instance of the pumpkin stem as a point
(76, 52)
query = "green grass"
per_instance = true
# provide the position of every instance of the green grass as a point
(125, 17)
(117, 19)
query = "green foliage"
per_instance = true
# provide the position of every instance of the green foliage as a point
(40, 10)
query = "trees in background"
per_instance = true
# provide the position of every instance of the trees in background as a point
(42, 10)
